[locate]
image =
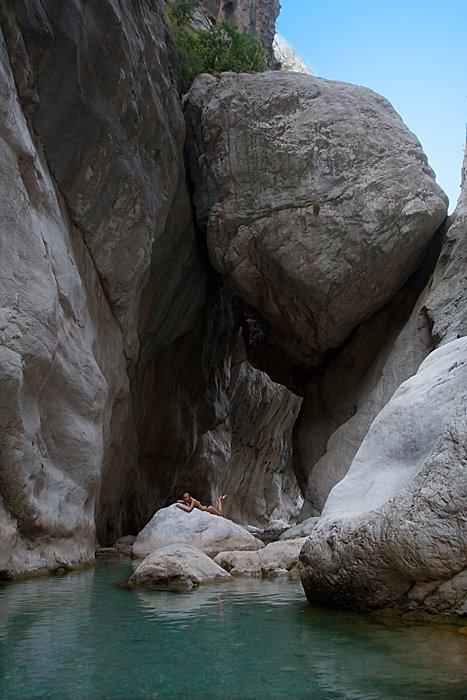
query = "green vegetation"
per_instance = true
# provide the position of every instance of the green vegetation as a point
(222, 47)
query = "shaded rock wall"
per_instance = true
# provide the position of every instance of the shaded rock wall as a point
(116, 334)
(104, 127)
(249, 456)
(65, 403)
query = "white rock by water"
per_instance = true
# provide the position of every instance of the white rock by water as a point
(394, 531)
(209, 533)
(276, 559)
(177, 566)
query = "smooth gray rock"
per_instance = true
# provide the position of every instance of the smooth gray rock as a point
(316, 200)
(210, 533)
(250, 453)
(345, 397)
(447, 303)
(396, 522)
(302, 529)
(276, 559)
(64, 406)
(177, 566)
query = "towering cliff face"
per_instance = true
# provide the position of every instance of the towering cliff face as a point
(116, 335)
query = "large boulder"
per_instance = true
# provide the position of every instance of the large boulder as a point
(177, 566)
(316, 200)
(209, 533)
(393, 531)
(276, 559)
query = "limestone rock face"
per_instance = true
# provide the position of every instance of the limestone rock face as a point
(447, 305)
(210, 533)
(287, 57)
(65, 404)
(343, 399)
(249, 455)
(177, 566)
(316, 200)
(276, 559)
(102, 288)
(393, 531)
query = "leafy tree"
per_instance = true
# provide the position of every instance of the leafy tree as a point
(222, 47)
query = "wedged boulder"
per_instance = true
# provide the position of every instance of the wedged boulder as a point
(393, 532)
(276, 559)
(316, 200)
(177, 566)
(209, 533)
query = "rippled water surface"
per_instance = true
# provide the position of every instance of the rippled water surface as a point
(83, 637)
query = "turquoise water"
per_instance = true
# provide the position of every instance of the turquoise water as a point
(80, 636)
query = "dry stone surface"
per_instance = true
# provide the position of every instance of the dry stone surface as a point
(210, 533)
(276, 559)
(177, 566)
(393, 531)
(316, 200)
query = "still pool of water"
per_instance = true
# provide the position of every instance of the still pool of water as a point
(81, 636)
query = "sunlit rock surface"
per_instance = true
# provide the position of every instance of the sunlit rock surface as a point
(287, 57)
(393, 531)
(447, 304)
(208, 532)
(177, 566)
(317, 204)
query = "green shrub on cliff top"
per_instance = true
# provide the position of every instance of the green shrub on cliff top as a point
(222, 47)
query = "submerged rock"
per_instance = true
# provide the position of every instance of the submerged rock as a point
(393, 532)
(276, 559)
(209, 533)
(179, 567)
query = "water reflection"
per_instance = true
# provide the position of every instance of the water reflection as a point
(82, 636)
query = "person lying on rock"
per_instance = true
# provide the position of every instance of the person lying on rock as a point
(187, 503)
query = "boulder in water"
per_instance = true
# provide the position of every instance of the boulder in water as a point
(177, 566)
(209, 533)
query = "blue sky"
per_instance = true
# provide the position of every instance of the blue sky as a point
(414, 53)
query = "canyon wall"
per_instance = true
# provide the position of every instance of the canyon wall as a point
(159, 325)
(116, 332)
